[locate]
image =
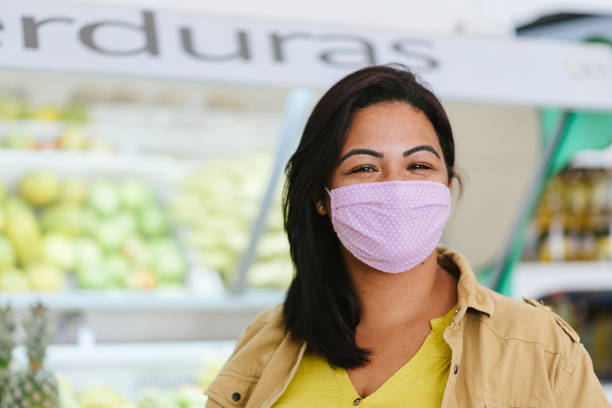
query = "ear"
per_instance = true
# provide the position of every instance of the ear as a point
(318, 200)
(320, 207)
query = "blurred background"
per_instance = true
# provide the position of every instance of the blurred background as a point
(142, 144)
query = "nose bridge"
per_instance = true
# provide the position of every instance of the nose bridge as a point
(393, 169)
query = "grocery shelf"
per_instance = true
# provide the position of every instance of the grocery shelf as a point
(179, 299)
(16, 162)
(130, 368)
(537, 279)
(96, 317)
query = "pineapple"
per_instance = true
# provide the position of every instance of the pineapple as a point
(7, 343)
(34, 387)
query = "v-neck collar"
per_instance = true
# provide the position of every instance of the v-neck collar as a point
(438, 325)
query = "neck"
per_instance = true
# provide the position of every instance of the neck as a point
(424, 292)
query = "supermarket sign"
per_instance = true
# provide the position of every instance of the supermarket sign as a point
(105, 39)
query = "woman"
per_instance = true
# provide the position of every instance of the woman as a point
(377, 316)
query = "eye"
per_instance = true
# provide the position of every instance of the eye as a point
(419, 166)
(362, 169)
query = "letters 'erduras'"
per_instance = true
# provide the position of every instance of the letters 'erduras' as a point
(340, 50)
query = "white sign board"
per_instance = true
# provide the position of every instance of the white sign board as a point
(62, 36)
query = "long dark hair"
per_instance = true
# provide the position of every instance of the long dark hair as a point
(321, 306)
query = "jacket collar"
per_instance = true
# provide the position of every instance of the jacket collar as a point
(470, 293)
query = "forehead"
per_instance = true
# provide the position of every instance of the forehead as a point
(389, 124)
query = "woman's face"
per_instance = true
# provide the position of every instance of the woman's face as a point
(390, 141)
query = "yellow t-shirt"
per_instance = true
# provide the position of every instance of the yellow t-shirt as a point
(419, 383)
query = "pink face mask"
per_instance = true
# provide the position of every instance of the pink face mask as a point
(391, 225)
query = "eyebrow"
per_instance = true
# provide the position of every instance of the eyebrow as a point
(380, 155)
(361, 151)
(419, 148)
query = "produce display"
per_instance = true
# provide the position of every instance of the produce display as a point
(33, 387)
(70, 138)
(99, 234)
(99, 396)
(218, 204)
(103, 397)
(19, 109)
(16, 114)
(574, 219)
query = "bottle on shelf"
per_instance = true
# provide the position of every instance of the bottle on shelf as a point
(574, 219)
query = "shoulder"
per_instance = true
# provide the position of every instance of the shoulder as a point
(531, 322)
(273, 315)
(258, 342)
(528, 337)
(263, 347)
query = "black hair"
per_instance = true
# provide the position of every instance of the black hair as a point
(321, 305)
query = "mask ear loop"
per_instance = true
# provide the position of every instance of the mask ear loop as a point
(328, 191)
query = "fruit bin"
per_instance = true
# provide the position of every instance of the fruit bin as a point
(156, 175)
(132, 369)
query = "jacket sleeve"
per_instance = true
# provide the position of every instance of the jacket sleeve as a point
(243, 339)
(247, 335)
(578, 385)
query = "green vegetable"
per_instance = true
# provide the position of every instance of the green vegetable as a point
(7, 254)
(89, 222)
(67, 219)
(167, 262)
(118, 269)
(104, 197)
(73, 191)
(126, 222)
(20, 141)
(72, 139)
(74, 113)
(87, 253)
(14, 280)
(135, 194)
(40, 188)
(153, 221)
(101, 397)
(111, 234)
(93, 276)
(58, 251)
(46, 277)
(23, 232)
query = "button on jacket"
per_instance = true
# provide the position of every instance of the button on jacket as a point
(505, 353)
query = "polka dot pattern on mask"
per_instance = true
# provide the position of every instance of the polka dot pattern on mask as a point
(392, 225)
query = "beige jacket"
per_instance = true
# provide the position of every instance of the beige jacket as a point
(505, 353)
